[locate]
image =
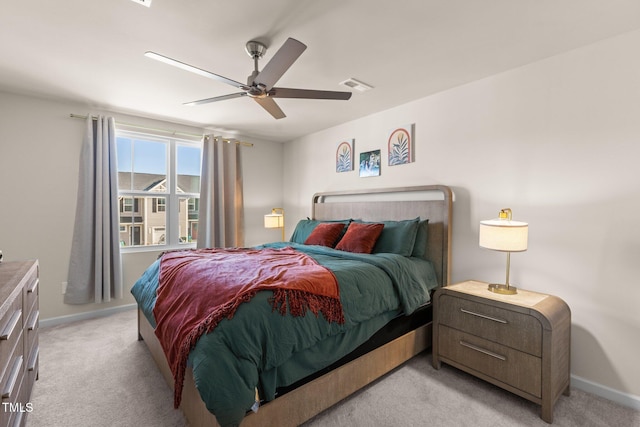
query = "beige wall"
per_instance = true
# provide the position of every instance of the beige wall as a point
(39, 152)
(558, 141)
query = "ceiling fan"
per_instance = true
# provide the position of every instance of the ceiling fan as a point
(260, 84)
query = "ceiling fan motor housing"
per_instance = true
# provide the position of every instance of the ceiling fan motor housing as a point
(257, 91)
(255, 49)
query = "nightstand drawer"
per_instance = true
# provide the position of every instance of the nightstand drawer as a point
(520, 370)
(512, 329)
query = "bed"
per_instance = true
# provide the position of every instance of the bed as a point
(317, 376)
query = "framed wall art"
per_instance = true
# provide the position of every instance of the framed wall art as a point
(401, 145)
(344, 155)
(370, 163)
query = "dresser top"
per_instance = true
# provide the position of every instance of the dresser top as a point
(11, 273)
(477, 288)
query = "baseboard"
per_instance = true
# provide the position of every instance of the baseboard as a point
(54, 321)
(624, 399)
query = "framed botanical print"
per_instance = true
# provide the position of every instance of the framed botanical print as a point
(344, 155)
(401, 145)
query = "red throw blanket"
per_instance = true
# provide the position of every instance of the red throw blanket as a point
(199, 288)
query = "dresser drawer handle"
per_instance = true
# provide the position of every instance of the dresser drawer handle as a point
(33, 359)
(11, 326)
(13, 378)
(33, 320)
(18, 420)
(33, 286)
(482, 350)
(484, 316)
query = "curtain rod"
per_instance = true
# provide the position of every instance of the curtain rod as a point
(172, 132)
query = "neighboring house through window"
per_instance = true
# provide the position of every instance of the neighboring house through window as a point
(159, 190)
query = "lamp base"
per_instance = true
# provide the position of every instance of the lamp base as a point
(503, 289)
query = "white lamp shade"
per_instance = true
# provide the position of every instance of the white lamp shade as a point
(274, 221)
(504, 235)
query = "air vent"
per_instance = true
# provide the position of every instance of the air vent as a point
(357, 85)
(143, 2)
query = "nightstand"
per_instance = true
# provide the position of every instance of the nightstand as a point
(518, 342)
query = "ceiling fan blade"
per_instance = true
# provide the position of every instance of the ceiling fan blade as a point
(216, 98)
(283, 92)
(193, 69)
(280, 63)
(271, 107)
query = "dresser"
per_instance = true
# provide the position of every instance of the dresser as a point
(518, 342)
(19, 317)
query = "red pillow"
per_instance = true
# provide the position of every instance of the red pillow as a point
(325, 234)
(360, 237)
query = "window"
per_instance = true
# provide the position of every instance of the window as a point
(159, 204)
(128, 204)
(159, 190)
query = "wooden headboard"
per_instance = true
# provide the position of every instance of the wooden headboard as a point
(433, 202)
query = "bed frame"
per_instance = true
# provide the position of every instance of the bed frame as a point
(303, 403)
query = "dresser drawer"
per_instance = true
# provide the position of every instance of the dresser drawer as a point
(31, 333)
(10, 332)
(512, 329)
(12, 379)
(12, 393)
(33, 365)
(30, 296)
(520, 370)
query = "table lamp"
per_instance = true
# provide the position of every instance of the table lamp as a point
(504, 235)
(275, 220)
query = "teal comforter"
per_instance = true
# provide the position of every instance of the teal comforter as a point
(261, 348)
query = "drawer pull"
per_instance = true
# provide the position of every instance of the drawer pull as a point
(18, 420)
(33, 286)
(11, 326)
(482, 350)
(484, 316)
(13, 378)
(33, 359)
(33, 320)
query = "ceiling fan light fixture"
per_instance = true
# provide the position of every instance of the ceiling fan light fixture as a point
(356, 84)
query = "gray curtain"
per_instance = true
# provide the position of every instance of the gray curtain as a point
(220, 220)
(95, 269)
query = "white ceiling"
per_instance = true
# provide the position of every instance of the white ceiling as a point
(92, 52)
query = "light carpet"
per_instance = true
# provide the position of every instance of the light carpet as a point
(96, 373)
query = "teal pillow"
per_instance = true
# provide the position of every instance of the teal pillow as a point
(420, 246)
(306, 226)
(397, 237)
